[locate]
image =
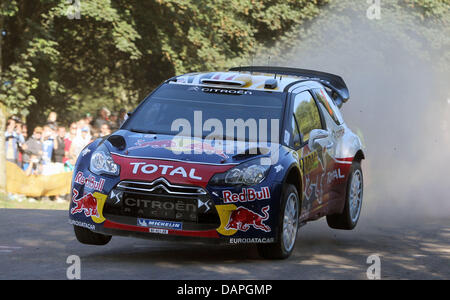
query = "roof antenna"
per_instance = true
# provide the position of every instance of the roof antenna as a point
(268, 67)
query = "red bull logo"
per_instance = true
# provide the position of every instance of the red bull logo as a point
(90, 181)
(246, 195)
(86, 204)
(242, 218)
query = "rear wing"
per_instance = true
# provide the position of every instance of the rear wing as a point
(331, 81)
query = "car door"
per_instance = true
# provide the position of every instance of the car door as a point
(335, 127)
(310, 130)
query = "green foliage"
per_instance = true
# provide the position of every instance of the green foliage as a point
(9, 8)
(51, 62)
(437, 9)
(118, 51)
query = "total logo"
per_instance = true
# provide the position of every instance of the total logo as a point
(247, 194)
(144, 168)
(334, 175)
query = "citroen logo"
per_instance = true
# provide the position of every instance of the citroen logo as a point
(116, 196)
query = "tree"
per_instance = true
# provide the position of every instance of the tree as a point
(118, 51)
(193, 35)
(6, 9)
(51, 60)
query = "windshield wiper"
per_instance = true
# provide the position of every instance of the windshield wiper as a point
(253, 151)
(223, 138)
(143, 131)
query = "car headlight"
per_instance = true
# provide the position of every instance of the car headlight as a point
(249, 173)
(102, 162)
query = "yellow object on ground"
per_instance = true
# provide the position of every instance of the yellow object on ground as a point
(17, 182)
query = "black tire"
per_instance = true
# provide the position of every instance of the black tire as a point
(344, 220)
(279, 250)
(86, 236)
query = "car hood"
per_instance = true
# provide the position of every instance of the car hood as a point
(169, 147)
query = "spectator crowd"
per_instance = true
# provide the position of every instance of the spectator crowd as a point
(53, 147)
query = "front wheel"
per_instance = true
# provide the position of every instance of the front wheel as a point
(348, 219)
(287, 229)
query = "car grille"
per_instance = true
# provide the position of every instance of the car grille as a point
(161, 200)
(161, 186)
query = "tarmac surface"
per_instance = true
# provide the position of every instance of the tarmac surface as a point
(35, 244)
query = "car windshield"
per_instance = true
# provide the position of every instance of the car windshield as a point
(177, 109)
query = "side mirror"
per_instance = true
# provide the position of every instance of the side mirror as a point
(316, 138)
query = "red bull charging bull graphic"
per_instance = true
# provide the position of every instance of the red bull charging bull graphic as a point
(86, 204)
(242, 218)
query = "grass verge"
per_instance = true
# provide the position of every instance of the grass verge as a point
(31, 203)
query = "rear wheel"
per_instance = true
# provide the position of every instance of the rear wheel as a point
(86, 236)
(348, 219)
(287, 229)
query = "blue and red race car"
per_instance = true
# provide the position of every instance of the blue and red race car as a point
(242, 156)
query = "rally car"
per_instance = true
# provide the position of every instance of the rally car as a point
(242, 156)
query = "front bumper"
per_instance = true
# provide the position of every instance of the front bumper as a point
(248, 217)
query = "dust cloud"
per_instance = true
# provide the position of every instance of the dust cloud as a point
(399, 104)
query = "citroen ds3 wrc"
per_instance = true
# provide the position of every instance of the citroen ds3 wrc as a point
(243, 156)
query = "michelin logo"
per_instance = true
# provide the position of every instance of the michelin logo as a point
(160, 224)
